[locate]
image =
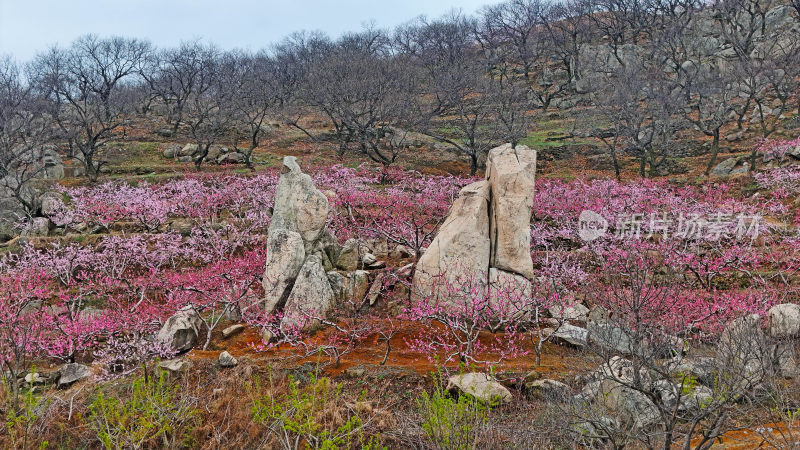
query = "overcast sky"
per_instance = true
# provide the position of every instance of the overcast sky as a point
(30, 26)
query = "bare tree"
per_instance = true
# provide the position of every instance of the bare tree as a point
(256, 96)
(710, 102)
(640, 104)
(366, 94)
(293, 58)
(83, 84)
(173, 75)
(569, 27)
(515, 37)
(460, 99)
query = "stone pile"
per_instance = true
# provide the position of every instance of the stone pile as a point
(302, 254)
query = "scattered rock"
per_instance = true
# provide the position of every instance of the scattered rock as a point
(188, 150)
(175, 365)
(356, 372)
(34, 378)
(574, 311)
(51, 204)
(231, 158)
(376, 289)
(401, 252)
(784, 321)
(368, 259)
(743, 348)
(610, 337)
(183, 227)
(572, 335)
(481, 386)
(36, 227)
(232, 330)
(227, 360)
(348, 256)
(181, 330)
(550, 390)
(72, 372)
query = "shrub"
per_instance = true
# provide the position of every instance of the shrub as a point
(451, 423)
(19, 416)
(150, 413)
(311, 415)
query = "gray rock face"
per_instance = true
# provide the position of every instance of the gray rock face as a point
(572, 335)
(72, 372)
(172, 151)
(481, 386)
(511, 174)
(188, 150)
(348, 256)
(743, 346)
(575, 311)
(311, 296)
(550, 390)
(231, 158)
(51, 204)
(181, 330)
(299, 206)
(36, 227)
(731, 166)
(285, 256)
(784, 321)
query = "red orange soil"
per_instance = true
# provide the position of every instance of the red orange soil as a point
(558, 361)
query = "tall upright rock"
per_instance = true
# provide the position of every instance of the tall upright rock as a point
(299, 206)
(294, 276)
(484, 244)
(511, 173)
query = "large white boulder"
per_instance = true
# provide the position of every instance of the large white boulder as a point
(457, 261)
(481, 386)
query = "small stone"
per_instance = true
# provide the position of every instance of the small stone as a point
(227, 360)
(34, 378)
(547, 390)
(481, 386)
(266, 336)
(368, 259)
(377, 265)
(175, 365)
(356, 372)
(232, 330)
(72, 372)
(531, 376)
